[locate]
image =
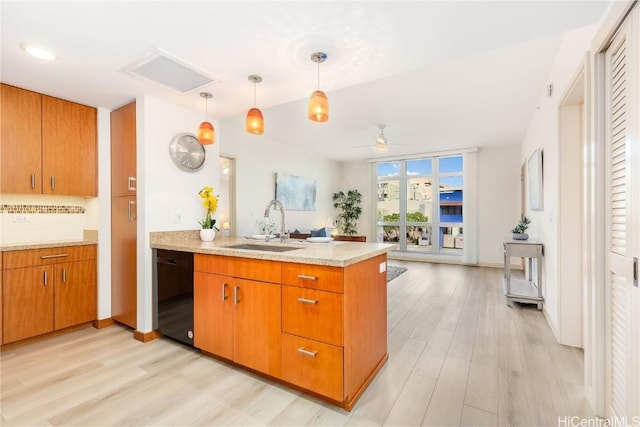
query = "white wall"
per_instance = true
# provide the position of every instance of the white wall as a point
(163, 189)
(543, 133)
(358, 175)
(258, 158)
(100, 210)
(498, 200)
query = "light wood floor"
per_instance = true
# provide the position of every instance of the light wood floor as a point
(458, 355)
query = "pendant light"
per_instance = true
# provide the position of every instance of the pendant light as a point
(255, 122)
(318, 109)
(206, 132)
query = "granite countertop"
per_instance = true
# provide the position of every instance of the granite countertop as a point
(90, 238)
(336, 254)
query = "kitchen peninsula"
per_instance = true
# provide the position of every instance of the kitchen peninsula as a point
(311, 315)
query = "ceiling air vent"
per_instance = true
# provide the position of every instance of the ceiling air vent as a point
(167, 70)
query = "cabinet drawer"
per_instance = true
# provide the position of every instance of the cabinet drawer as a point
(33, 257)
(312, 365)
(312, 314)
(320, 277)
(243, 268)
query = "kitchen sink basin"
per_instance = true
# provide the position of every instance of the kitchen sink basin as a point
(267, 248)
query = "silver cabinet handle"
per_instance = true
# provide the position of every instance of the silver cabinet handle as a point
(306, 352)
(307, 301)
(224, 292)
(64, 275)
(635, 271)
(53, 182)
(33, 180)
(305, 277)
(236, 299)
(131, 183)
(45, 277)
(53, 256)
(131, 211)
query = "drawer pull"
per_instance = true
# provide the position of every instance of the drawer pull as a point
(306, 352)
(224, 292)
(131, 183)
(308, 301)
(53, 256)
(305, 277)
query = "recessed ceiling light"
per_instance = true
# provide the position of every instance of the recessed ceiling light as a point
(38, 52)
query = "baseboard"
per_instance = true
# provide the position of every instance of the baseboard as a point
(103, 323)
(145, 336)
(43, 337)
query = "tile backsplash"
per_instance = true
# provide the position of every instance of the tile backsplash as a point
(31, 219)
(41, 209)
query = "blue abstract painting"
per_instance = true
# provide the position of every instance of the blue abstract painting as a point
(296, 193)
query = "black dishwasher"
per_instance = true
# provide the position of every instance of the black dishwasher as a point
(175, 295)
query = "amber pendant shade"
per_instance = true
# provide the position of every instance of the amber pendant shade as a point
(206, 134)
(318, 107)
(255, 122)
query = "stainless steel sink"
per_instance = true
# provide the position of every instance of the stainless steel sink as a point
(267, 248)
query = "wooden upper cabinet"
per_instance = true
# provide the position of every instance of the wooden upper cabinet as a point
(123, 151)
(69, 148)
(20, 142)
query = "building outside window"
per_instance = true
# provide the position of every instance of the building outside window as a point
(420, 204)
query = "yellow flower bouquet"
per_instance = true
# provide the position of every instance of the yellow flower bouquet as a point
(210, 202)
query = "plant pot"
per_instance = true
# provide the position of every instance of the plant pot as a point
(207, 234)
(519, 236)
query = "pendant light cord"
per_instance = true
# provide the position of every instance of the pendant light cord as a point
(318, 75)
(254, 93)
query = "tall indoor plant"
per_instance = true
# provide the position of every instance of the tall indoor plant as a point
(350, 210)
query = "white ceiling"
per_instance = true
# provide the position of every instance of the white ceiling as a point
(458, 74)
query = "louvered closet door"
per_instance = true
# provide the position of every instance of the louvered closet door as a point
(621, 224)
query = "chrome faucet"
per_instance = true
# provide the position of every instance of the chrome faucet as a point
(278, 205)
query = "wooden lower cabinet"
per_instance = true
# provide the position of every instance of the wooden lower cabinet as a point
(37, 299)
(213, 313)
(28, 302)
(75, 292)
(313, 365)
(323, 329)
(239, 320)
(257, 339)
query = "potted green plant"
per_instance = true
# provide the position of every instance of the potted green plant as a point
(519, 231)
(350, 210)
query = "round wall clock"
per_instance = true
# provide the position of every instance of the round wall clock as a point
(186, 152)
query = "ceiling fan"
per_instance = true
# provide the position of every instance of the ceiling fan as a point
(381, 144)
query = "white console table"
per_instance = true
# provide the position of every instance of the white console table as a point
(523, 290)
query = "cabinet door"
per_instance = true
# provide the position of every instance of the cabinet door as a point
(213, 313)
(123, 151)
(20, 141)
(258, 339)
(75, 293)
(124, 286)
(69, 160)
(28, 302)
